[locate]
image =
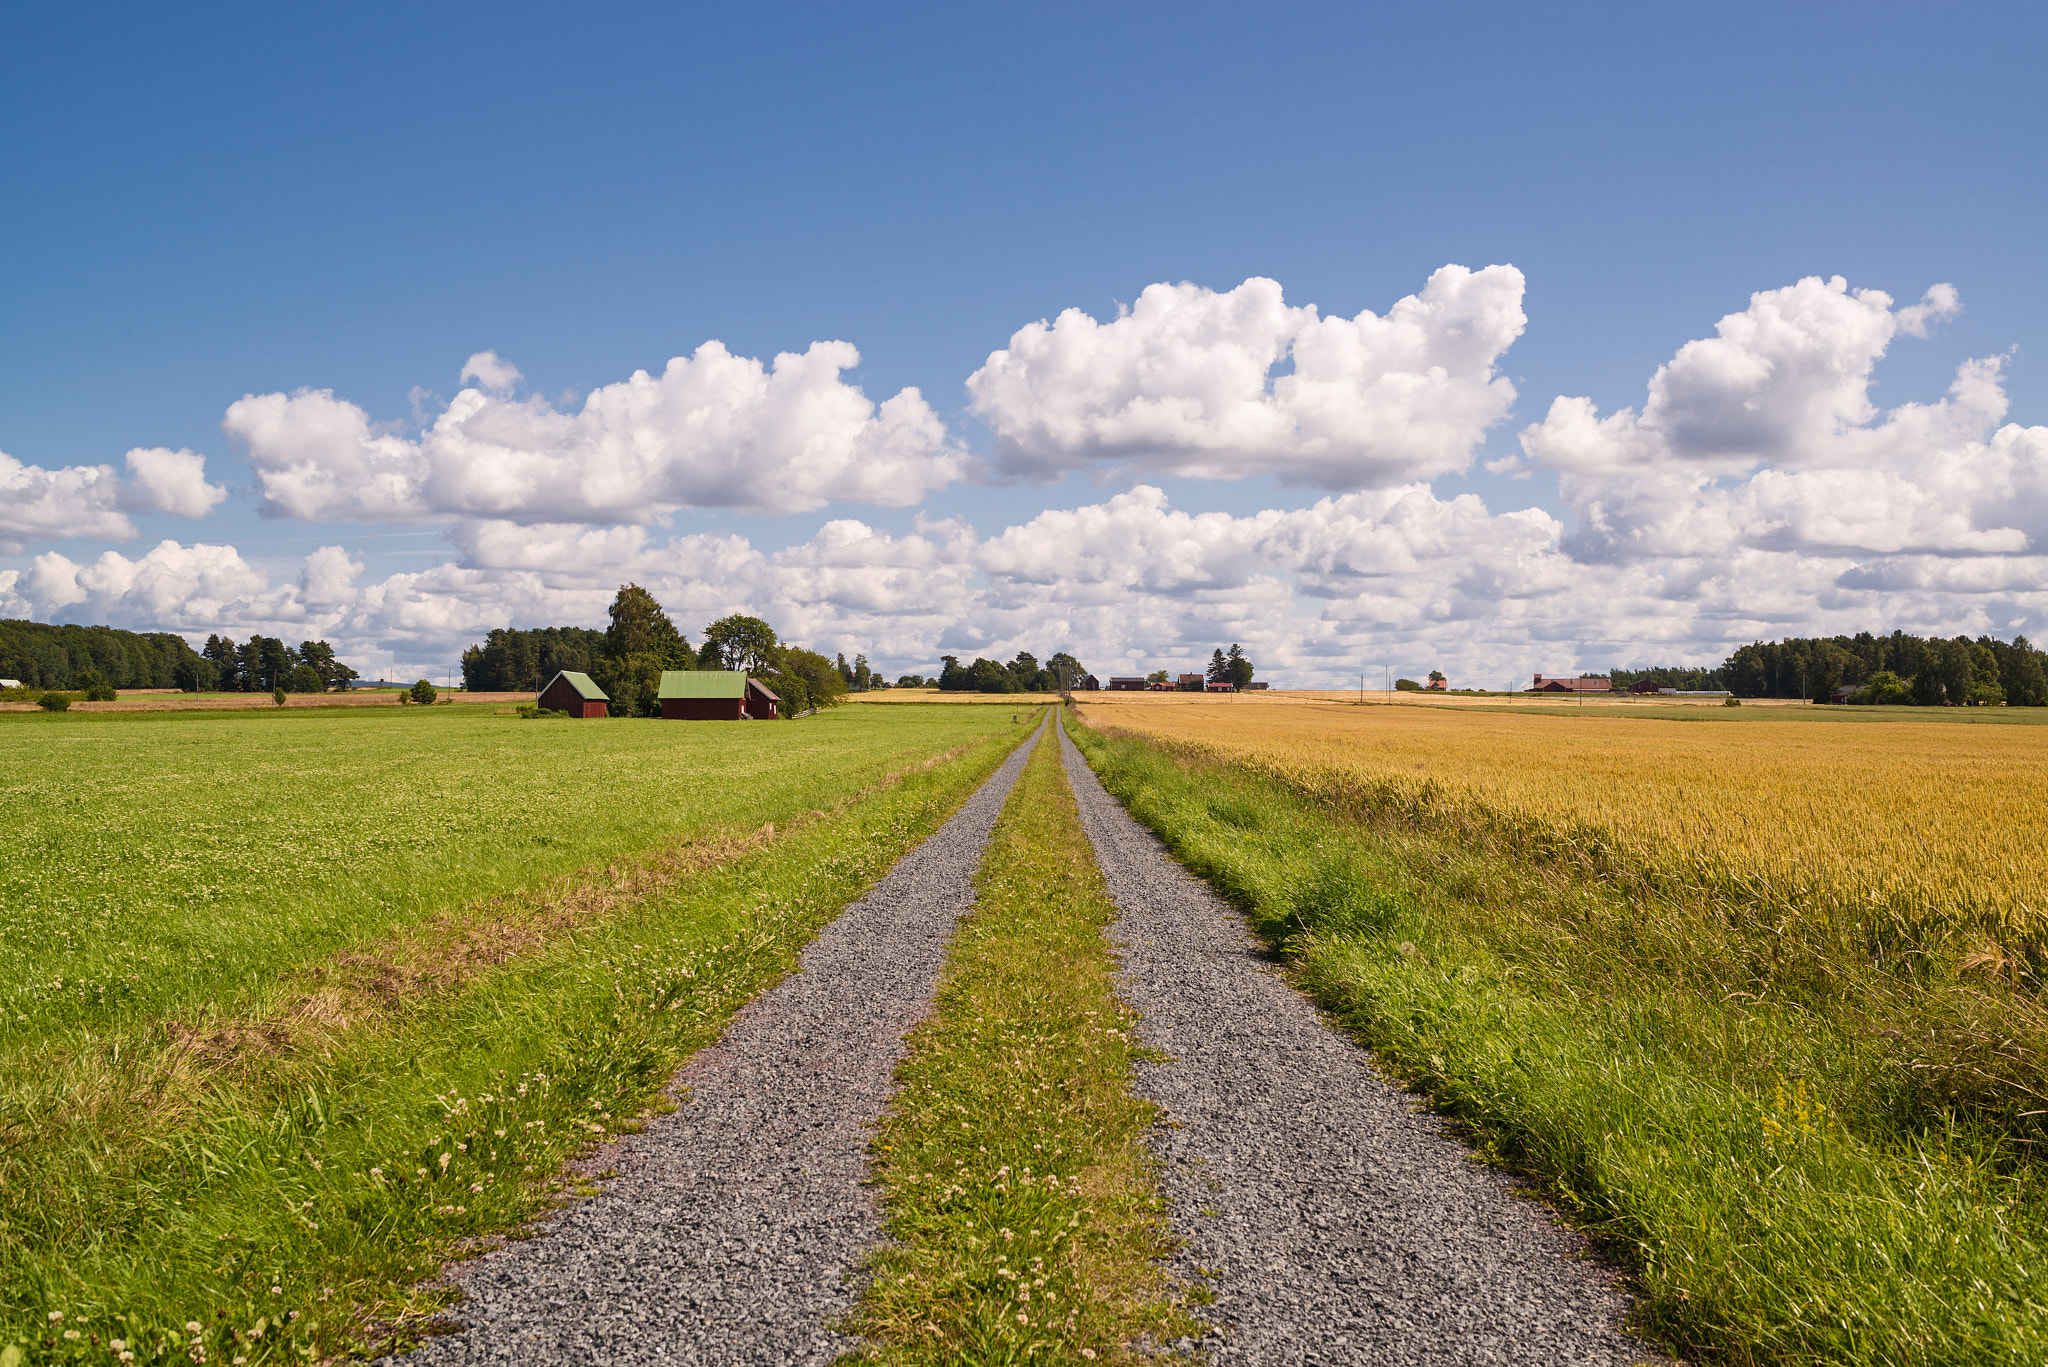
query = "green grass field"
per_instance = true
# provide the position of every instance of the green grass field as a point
(301, 1003)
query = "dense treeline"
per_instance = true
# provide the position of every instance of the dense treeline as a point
(1894, 669)
(263, 664)
(1679, 677)
(628, 657)
(1897, 670)
(514, 661)
(45, 656)
(1021, 675)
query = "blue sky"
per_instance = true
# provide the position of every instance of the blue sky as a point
(358, 199)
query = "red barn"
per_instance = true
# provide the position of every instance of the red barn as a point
(1544, 685)
(715, 695)
(575, 694)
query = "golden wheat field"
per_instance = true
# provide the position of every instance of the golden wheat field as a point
(1922, 823)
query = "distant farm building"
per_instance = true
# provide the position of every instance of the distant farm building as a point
(1258, 685)
(1544, 685)
(714, 695)
(1125, 683)
(1844, 692)
(575, 694)
(10, 683)
(1439, 685)
(1645, 686)
(1191, 682)
(1089, 684)
(1220, 686)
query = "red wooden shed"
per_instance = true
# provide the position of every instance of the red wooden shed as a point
(575, 694)
(715, 695)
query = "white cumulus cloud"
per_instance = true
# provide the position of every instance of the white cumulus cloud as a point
(1765, 436)
(713, 430)
(1184, 383)
(93, 501)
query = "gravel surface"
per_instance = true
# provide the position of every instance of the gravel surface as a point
(1344, 1225)
(729, 1234)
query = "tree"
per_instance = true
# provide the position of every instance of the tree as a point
(1823, 679)
(1156, 676)
(990, 677)
(221, 653)
(423, 692)
(1436, 676)
(1066, 671)
(953, 678)
(911, 681)
(863, 674)
(2021, 674)
(632, 682)
(95, 685)
(277, 695)
(746, 644)
(1883, 689)
(804, 680)
(1219, 668)
(1237, 666)
(1948, 673)
(319, 657)
(640, 627)
(305, 679)
(194, 674)
(1407, 686)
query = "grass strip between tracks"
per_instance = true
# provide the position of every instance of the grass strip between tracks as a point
(1728, 1147)
(1026, 1220)
(298, 1210)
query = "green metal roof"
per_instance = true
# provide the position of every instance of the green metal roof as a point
(582, 684)
(702, 683)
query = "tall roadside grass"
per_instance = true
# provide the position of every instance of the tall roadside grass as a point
(292, 1203)
(1752, 1137)
(1027, 1226)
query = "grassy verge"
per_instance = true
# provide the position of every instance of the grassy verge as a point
(1026, 1221)
(1752, 1150)
(290, 1206)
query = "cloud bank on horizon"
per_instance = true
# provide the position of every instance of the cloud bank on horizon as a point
(1757, 491)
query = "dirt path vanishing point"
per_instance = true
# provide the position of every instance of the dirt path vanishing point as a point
(1343, 1225)
(727, 1237)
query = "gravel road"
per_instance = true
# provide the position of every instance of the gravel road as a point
(729, 1233)
(1345, 1225)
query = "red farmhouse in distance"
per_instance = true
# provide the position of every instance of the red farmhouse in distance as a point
(1544, 685)
(575, 694)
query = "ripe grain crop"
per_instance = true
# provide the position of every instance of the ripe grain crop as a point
(530, 928)
(1807, 1118)
(1905, 836)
